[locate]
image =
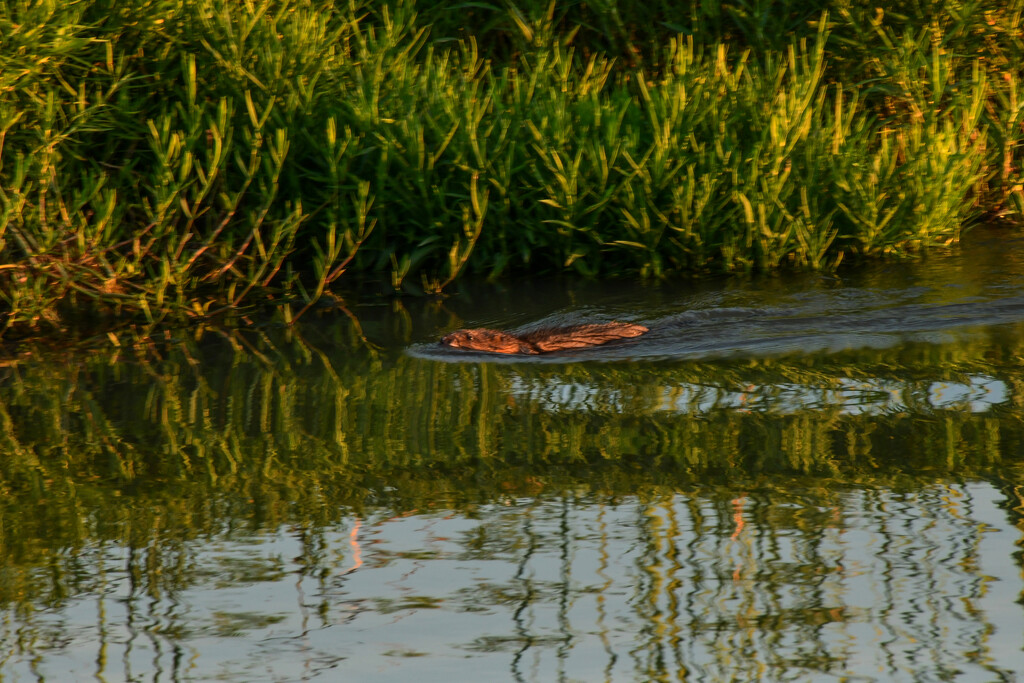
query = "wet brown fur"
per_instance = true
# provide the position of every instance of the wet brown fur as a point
(542, 341)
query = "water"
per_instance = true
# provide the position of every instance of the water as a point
(846, 584)
(792, 478)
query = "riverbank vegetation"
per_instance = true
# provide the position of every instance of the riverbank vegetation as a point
(181, 158)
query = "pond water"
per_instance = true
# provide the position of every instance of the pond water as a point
(789, 478)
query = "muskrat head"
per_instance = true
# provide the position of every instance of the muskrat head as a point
(482, 339)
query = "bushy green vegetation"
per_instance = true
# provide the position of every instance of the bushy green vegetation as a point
(185, 157)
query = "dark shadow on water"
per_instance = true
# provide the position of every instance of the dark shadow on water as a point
(941, 300)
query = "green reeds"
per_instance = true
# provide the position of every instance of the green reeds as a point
(184, 157)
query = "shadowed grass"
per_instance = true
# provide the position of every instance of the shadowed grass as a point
(187, 157)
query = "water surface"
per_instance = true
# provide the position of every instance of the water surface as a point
(788, 478)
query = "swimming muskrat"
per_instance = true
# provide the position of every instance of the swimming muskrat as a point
(543, 340)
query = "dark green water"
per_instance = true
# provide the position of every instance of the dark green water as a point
(797, 478)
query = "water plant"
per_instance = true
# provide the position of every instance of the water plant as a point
(181, 158)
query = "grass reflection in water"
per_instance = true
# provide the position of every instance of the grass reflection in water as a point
(324, 503)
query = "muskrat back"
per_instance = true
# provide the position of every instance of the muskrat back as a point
(543, 340)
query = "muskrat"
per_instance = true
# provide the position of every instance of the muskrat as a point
(543, 340)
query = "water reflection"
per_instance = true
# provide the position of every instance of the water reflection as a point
(706, 584)
(821, 479)
(872, 395)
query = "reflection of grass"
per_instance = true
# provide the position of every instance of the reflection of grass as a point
(204, 441)
(235, 624)
(409, 602)
(233, 571)
(171, 158)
